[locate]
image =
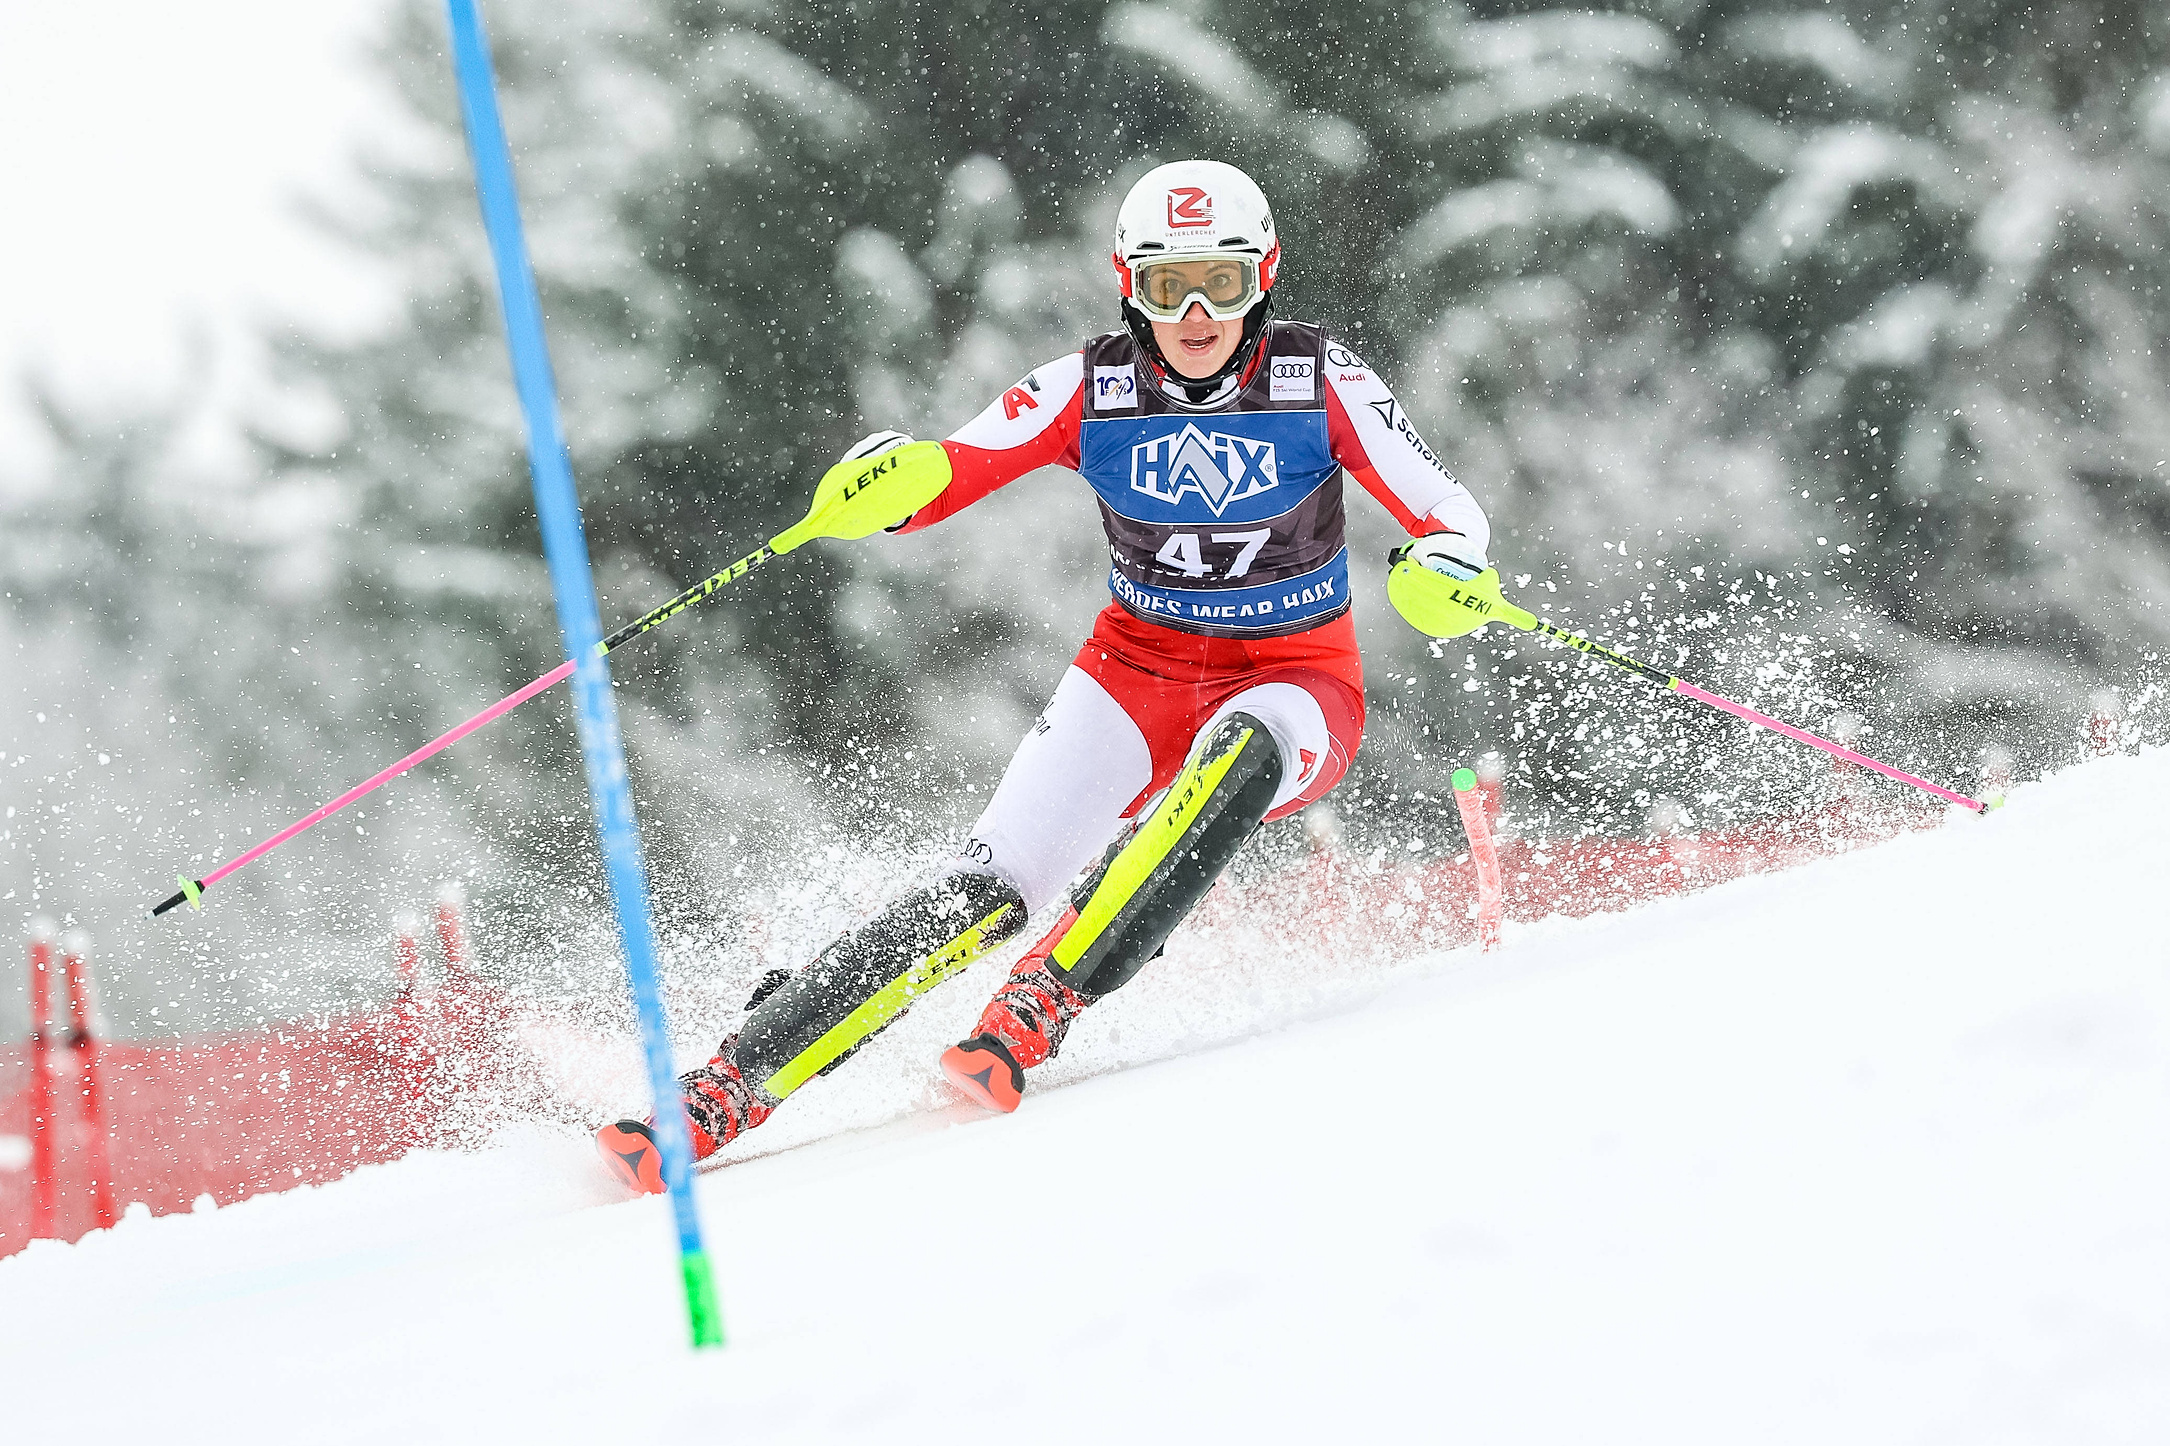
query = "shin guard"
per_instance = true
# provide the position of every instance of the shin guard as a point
(870, 976)
(1146, 887)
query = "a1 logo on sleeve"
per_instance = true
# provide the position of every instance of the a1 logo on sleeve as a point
(1115, 388)
(1293, 379)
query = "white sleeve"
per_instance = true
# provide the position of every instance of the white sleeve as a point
(1025, 411)
(1374, 438)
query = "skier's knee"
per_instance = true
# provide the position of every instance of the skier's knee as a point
(1149, 885)
(1296, 713)
(871, 975)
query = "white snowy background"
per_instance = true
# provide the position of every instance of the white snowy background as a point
(157, 166)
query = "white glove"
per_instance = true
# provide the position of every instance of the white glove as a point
(1447, 552)
(875, 443)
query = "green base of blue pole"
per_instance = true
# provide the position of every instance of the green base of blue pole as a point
(701, 1307)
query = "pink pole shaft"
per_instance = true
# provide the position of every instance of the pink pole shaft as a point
(1703, 695)
(435, 746)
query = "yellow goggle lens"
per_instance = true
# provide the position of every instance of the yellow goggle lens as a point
(1227, 285)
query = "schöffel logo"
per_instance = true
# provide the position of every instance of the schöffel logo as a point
(1221, 469)
(1394, 417)
(1293, 379)
(1115, 387)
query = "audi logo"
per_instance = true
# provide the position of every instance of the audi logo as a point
(1290, 370)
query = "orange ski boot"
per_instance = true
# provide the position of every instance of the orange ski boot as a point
(1022, 1026)
(629, 1149)
(720, 1106)
(987, 1073)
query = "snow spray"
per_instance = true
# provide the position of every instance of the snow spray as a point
(1529, 622)
(558, 508)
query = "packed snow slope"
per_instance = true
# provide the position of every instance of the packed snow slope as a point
(1877, 1150)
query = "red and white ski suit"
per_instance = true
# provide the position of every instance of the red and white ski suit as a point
(1229, 576)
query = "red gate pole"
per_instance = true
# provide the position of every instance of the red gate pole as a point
(1492, 784)
(83, 1037)
(475, 1013)
(407, 958)
(44, 1131)
(1477, 822)
(452, 926)
(1851, 780)
(2105, 722)
(411, 1039)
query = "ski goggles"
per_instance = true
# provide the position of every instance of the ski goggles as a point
(1226, 285)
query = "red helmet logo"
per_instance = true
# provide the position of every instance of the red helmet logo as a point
(1189, 209)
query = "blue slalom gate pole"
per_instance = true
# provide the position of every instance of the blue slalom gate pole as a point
(558, 506)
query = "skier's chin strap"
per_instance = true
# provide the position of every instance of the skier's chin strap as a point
(1151, 880)
(1200, 390)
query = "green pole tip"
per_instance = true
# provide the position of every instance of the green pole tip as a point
(705, 1316)
(1995, 800)
(194, 891)
(1464, 780)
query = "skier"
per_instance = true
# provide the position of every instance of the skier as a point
(1222, 680)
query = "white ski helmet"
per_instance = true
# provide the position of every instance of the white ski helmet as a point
(1192, 211)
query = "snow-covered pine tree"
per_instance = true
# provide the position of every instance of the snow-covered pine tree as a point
(1546, 311)
(751, 225)
(763, 231)
(179, 678)
(1961, 257)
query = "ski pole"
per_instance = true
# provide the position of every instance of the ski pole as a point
(1529, 622)
(192, 890)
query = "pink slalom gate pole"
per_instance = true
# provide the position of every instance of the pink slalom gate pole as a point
(191, 891)
(1498, 607)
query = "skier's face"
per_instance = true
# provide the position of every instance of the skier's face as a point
(1198, 346)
